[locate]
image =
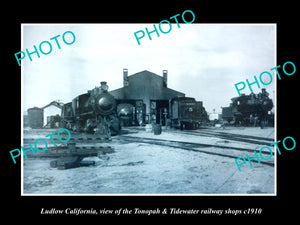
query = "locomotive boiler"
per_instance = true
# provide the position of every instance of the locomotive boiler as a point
(252, 109)
(92, 112)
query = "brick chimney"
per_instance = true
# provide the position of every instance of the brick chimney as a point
(165, 78)
(125, 77)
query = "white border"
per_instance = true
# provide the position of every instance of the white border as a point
(275, 125)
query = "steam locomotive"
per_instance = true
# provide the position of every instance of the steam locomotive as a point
(252, 109)
(92, 112)
(131, 112)
(126, 114)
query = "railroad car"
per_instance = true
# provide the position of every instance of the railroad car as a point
(92, 112)
(252, 109)
(186, 113)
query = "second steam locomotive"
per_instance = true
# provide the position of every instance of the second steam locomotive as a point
(252, 109)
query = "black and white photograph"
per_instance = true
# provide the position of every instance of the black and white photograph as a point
(149, 112)
(131, 109)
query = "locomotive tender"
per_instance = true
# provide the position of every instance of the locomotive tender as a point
(92, 112)
(186, 113)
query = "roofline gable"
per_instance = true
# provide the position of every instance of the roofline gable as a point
(151, 73)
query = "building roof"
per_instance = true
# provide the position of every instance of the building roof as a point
(145, 73)
(145, 84)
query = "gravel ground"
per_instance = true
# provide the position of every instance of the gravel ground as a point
(142, 168)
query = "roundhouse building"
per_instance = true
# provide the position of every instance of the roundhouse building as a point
(148, 93)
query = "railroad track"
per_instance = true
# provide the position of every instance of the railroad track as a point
(212, 149)
(228, 136)
(195, 147)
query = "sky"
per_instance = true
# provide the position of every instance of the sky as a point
(204, 61)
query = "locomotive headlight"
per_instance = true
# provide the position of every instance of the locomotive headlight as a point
(123, 111)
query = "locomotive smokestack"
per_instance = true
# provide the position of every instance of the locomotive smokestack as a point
(103, 86)
(165, 78)
(125, 77)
